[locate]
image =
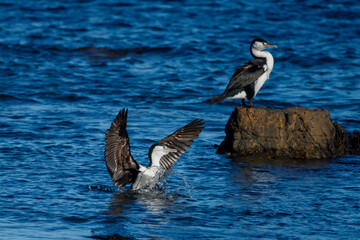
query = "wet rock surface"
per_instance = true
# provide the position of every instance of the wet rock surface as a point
(295, 133)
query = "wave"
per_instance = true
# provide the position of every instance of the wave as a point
(69, 97)
(115, 53)
(11, 99)
(111, 236)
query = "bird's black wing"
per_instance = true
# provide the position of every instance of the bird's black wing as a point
(180, 140)
(121, 165)
(246, 74)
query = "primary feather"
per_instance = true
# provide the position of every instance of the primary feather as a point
(180, 140)
(121, 165)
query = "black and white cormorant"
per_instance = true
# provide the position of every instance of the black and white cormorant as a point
(122, 166)
(249, 78)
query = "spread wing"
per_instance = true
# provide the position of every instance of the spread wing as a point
(121, 165)
(246, 74)
(181, 141)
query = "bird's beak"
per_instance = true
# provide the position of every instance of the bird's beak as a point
(169, 150)
(271, 45)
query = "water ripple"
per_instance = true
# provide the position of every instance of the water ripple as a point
(68, 67)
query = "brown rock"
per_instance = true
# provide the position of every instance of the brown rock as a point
(298, 133)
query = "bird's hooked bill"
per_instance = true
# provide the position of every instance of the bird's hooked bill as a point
(169, 150)
(271, 45)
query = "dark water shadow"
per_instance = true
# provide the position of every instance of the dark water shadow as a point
(126, 209)
(111, 237)
(100, 53)
(155, 201)
(279, 162)
(251, 172)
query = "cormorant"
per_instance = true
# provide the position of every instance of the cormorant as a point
(122, 166)
(249, 78)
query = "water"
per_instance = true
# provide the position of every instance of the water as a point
(68, 67)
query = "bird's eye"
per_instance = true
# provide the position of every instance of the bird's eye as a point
(165, 147)
(265, 43)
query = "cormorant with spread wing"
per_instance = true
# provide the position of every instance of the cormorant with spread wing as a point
(249, 78)
(122, 166)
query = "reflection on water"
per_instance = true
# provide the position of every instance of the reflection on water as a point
(254, 170)
(151, 201)
(259, 179)
(135, 211)
(121, 201)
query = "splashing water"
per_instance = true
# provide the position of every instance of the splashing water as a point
(183, 187)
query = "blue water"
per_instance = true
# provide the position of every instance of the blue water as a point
(68, 67)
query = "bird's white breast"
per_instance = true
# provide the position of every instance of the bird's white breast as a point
(269, 66)
(148, 178)
(260, 82)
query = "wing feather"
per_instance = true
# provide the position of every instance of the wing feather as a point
(180, 140)
(122, 167)
(245, 75)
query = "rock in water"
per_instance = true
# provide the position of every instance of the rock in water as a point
(296, 133)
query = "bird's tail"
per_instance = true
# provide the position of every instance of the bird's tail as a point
(216, 99)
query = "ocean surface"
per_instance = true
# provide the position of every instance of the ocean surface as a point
(68, 67)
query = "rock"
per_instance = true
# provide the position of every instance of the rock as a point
(296, 133)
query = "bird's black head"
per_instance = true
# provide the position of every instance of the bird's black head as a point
(259, 44)
(159, 150)
(258, 40)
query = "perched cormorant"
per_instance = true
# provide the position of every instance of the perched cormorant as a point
(249, 78)
(124, 169)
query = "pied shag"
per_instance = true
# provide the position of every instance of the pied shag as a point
(122, 166)
(249, 78)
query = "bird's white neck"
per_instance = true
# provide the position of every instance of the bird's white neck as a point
(155, 158)
(264, 54)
